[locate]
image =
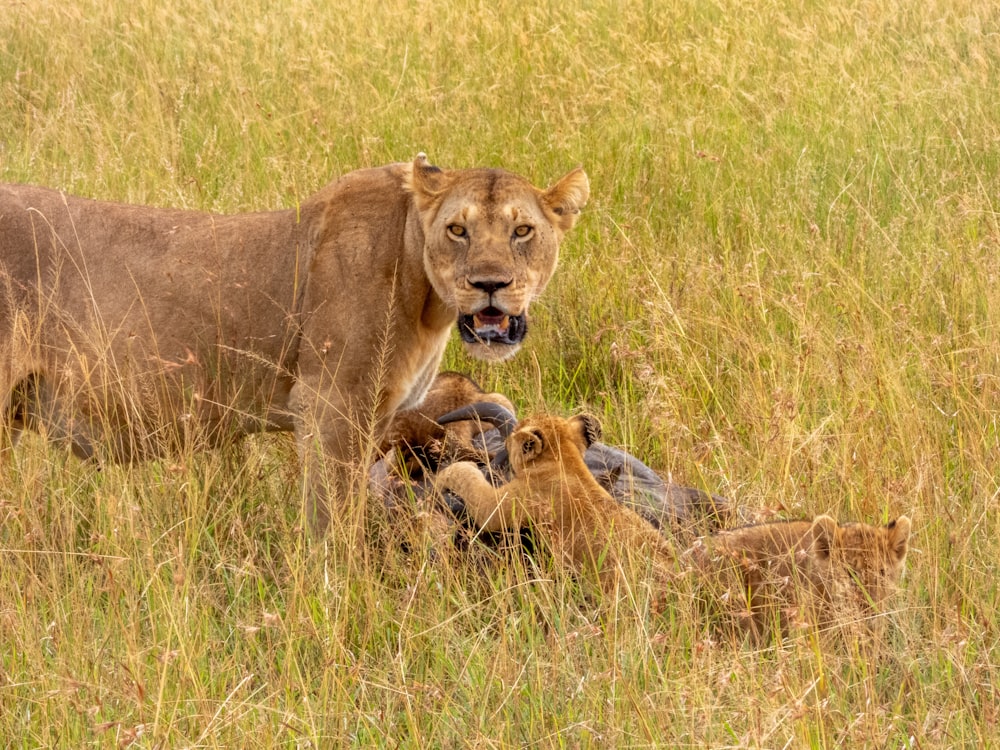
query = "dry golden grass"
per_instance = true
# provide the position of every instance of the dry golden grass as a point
(785, 289)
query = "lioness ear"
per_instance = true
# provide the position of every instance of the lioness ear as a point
(589, 428)
(899, 537)
(567, 197)
(824, 534)
(425, 181)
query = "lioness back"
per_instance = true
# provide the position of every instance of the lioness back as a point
(122, 319)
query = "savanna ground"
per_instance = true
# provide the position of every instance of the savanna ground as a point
(785, 289)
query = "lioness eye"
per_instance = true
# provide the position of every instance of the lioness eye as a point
(522, 231)
(456, 230)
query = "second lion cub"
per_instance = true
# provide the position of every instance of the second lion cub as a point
(802, 572)
(554, 493)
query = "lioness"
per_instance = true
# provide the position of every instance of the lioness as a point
(126, 330)
(554, 493)
(802, 572)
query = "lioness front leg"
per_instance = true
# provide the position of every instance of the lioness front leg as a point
(491, 508)
(332, 448)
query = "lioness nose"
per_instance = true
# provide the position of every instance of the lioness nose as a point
(490, 285)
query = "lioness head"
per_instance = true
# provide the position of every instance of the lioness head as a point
(544, 440)
(491, 241)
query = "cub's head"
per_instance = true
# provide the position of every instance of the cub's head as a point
(543, 442)
(873, 555)
(491, 241)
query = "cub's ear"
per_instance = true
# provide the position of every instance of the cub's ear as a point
(588, 427)
(567, 197)
(823, 534)
(899, 537)
(531, 443)
(425, 182)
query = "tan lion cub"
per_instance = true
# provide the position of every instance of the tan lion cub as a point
(802, 572)
(554, 493)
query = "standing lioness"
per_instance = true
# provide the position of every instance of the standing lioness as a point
(126, 330)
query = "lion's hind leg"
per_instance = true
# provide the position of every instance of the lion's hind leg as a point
(32, 404)
(19, 378)
(14, 417)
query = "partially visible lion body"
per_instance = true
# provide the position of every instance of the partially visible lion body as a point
(555, 494)
(125, 330)
(415, 444)
(416, 429)
(791, 573)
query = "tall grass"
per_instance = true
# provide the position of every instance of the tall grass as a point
(785, 289)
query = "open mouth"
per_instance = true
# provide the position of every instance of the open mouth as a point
(492, 326)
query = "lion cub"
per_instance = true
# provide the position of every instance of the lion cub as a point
(801, 572)
(554, 493)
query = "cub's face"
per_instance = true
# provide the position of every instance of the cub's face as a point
(542, 443)
(491, 242)
(875, 555)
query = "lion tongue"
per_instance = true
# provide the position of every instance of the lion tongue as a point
(491, 318)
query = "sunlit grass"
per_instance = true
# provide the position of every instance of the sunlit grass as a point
(784, 289)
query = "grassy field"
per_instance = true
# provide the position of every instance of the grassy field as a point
(786, 289)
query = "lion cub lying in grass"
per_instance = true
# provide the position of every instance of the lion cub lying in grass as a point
(794, 573)
(554, 493)
(783, 573)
